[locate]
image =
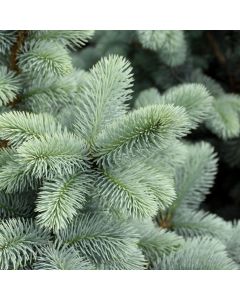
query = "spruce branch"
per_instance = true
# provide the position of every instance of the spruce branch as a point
(58, 256)
(141, 132)
(199, 254)
(155, 242)
(19, 241)
(17, 127)
(45, 58)
(9, 86)
(132, 197)
(50, 156)
(103, 97)
(106, 242)
(15, 205)
(195, 177)
(21, 37)
(7, 40)
(189, 223)
(59, 200)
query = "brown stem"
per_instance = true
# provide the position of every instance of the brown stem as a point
(4, 144)
(21, 37)
(22, 34)
(165, 221)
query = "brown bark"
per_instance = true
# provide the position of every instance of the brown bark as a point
(22, 35)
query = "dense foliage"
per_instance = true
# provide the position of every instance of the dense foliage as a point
(108, 152)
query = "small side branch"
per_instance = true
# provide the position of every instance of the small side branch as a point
(22, 34)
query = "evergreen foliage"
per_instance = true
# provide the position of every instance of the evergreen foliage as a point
(9, 85)
(100, 167)
(199, 254)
